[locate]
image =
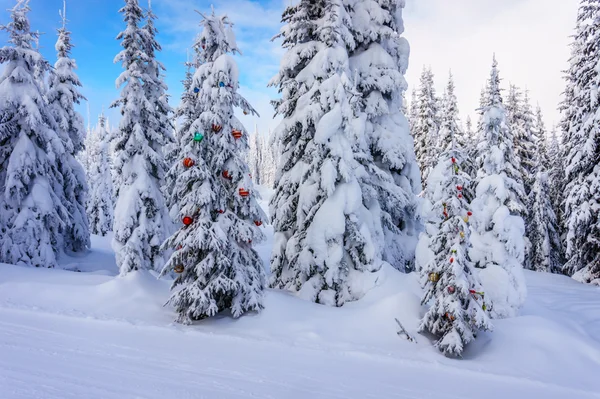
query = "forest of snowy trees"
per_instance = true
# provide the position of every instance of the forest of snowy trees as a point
(361, 177)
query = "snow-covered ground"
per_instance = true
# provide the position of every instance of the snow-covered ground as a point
(90, 334)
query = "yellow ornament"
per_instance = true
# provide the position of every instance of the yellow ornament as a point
(466, 219)
(462, 234)
(434, 277)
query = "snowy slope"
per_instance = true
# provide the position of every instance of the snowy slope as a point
(91, 335)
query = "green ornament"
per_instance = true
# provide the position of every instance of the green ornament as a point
(198, 137)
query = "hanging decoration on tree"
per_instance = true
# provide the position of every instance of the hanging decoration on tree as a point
(198, 137)
(237, 134)
(217, 128)
(243, 192)
(227, 175)
(187, 220)
(188, 162)
(196, 90)
(258, 223)
(178, 269)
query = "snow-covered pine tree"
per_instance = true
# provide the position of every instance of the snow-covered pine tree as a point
(256, 157)
(31, 186)
(520, 121)
(63, 94)
(140, 218)
(378, 61)
(497, 228)
(214, 255)
(556, 174)
(414, 111)
(269, 162)
(542, 228)
(582, 194)
(458, 310)
(324, 247)
(425, 131)
(100, 202)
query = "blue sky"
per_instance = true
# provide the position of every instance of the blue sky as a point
(529, 38)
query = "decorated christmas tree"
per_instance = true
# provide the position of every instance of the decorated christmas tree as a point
(218, 268)
(458, 307)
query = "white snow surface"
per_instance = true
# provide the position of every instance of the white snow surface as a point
(92, 334)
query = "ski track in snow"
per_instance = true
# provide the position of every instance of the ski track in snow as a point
(90, 335)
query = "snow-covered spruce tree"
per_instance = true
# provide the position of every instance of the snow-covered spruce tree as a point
(582, 194)
(31, 186)
(413, 116)
(542, 227)
(255, 157)
(140, 217)
(378, 62)
(425, 130)
(100, 203)
(457, 309)
(556, 174)
(269, 162)
(324, 247)
(63, 94)
(497, 229)
(218, 267)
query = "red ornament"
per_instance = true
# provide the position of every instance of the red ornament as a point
(220, 211)
(179, 247)
(459, 195)
(188, 162)
(472, 292)
(453, 160)
(451, 260)
(469, 213)
(459, 188)
(243, 192)
(217, 128)
(187, 220)
(258, 223)
(245, 112)
(451, 290)
(226, 175)
(237, 134)
(446, 214)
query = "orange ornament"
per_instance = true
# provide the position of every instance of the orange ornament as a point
(217, 128)
(188, 162)
(243, 192)
(237, 134)
(226, 175)
(179, 269)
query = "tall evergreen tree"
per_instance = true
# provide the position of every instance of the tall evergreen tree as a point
(100, 202)
(218, 267)
(31, 186)
(324, 244)
(256, 158)
(379, 60)
(414, 111)
(269, 162)
(498, 229)
(457, 311)
(556, 173)
(141, 220)
(582, 194)
(63, 95)
(542, 227)
(427, 126)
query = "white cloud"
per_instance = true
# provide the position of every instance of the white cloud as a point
(530, 39)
